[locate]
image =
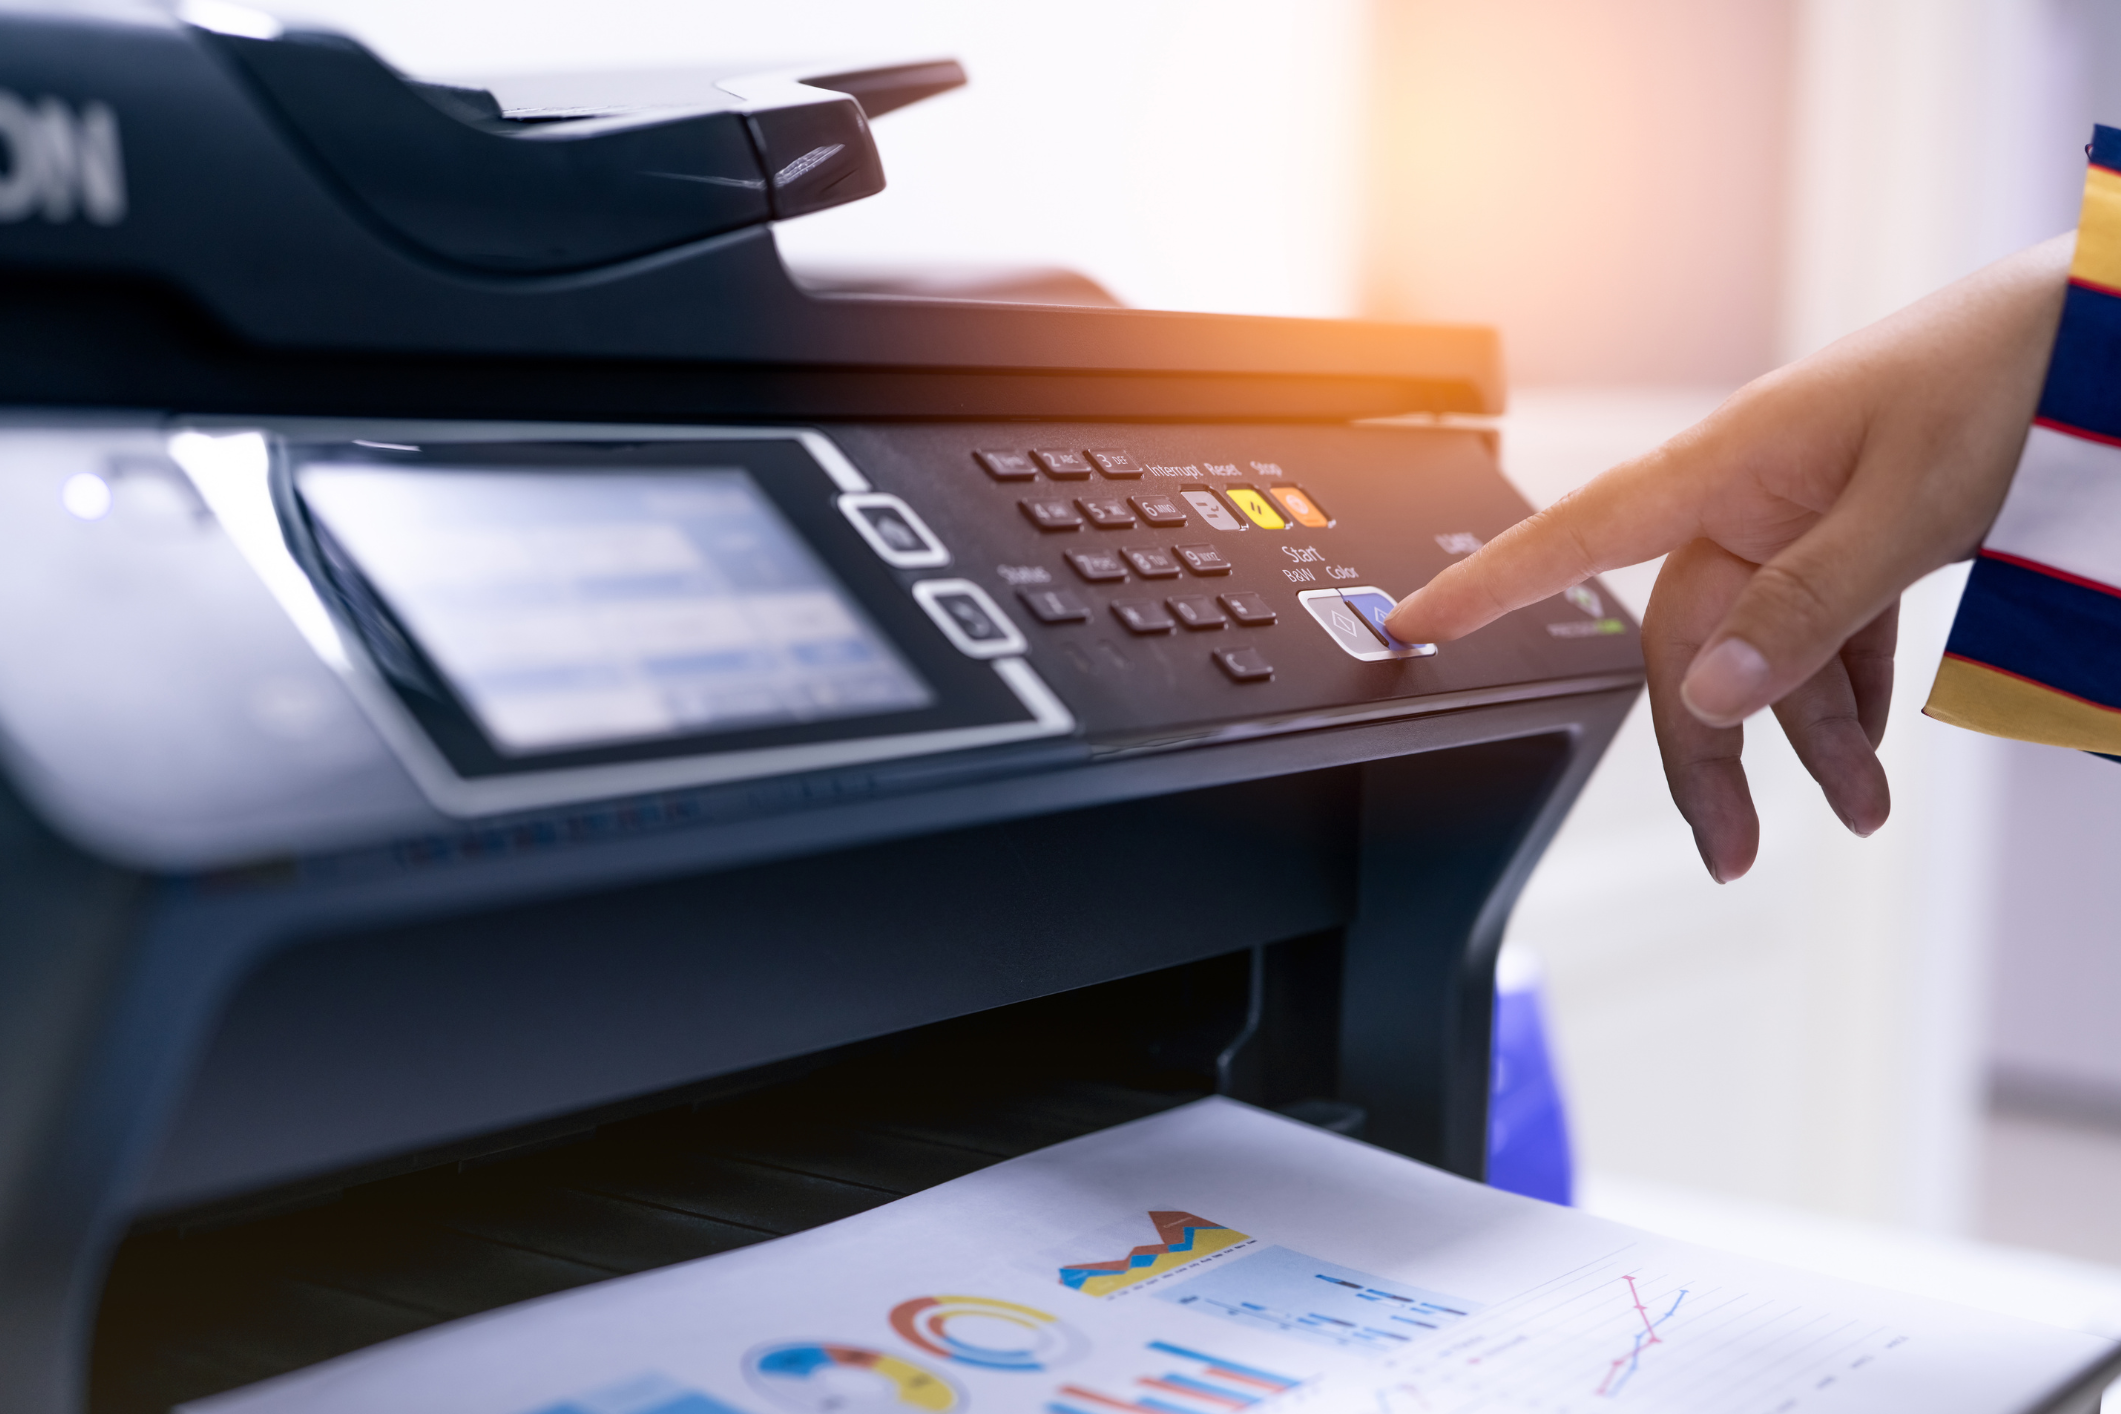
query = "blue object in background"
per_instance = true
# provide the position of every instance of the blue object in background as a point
(1528, 1130)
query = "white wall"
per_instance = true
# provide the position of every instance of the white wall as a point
(1190, 154)
(1931, 137)
(2057, 994)
(1604, 181)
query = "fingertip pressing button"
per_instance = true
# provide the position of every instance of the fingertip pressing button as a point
(1354, 619)
(1243, 664)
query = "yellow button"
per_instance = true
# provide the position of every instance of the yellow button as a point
(1301, 508)
(1258, 507)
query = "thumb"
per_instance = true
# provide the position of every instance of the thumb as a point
(1793, 616)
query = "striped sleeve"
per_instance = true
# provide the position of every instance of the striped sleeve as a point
(2035, 652)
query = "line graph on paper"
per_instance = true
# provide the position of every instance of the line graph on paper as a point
(1625, 1333)
(1624, 1367)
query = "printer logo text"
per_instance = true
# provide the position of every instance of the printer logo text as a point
(59, 163)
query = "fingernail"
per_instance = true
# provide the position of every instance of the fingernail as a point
(1701, 847)
(1725, 682)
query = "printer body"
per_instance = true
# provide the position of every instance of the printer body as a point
(488, 662)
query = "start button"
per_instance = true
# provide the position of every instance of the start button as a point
(1354, 618)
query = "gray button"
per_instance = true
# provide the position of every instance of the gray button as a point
(1008, 466)
(1209, 507)
(1143, 616)
(974, 623)
(1098, 566)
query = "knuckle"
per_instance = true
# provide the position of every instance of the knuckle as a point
(1791, 592)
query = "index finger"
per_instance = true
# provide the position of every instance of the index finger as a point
(1635, 512)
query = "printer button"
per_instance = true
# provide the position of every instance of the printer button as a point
(1051, 515)
(1257, 508)
(1243, 664)
(1143, 616)
(1300, 507)
(1153, 563)
(1374, 606)
(1160, 510)
(1203, 559)
(1249, 607)
(974, 623)
(899, 536)
(1108, 512)
(1008, 466)
(1055, 606)
(1116, 464)
(1063, 464)
(1355, 619)
(1210, 508)
(1197, 611)
(1098, 566)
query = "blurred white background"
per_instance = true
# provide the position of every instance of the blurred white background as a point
(1656, 200)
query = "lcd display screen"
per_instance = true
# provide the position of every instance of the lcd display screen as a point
(573, 609)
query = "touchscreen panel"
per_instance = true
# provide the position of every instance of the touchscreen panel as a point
(576, 609)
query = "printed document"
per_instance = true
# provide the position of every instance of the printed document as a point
(1215, 1259)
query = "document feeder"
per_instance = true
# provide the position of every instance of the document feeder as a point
(537, 748)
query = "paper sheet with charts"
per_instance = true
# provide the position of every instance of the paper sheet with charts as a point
(1209, 1260)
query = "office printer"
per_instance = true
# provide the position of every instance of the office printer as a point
(536, 746)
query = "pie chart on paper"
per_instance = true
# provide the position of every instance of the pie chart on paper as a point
(987, 1332)
(813, 1377)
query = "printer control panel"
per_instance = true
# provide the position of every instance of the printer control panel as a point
(1192, 581)
(532, 616)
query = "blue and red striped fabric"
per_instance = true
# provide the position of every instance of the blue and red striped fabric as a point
(2035, 652)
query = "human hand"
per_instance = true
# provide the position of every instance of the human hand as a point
(1793, 517)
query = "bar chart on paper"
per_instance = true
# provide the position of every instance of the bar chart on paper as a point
(1621, 1333)
(1181, 1380)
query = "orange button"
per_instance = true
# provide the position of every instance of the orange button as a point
(1301, 508)
(1258, 507)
